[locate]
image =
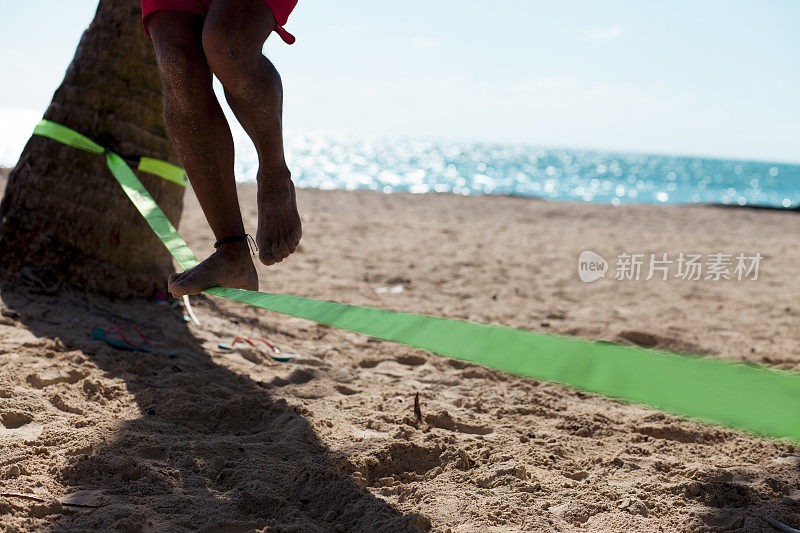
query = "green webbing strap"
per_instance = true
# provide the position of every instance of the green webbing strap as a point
(72, 138)
(168, 171)
(750, 397)
(67, 136)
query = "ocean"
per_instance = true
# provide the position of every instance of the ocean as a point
(327, 162)
(388, 165)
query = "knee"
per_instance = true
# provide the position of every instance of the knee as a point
(182, 66)
(229, 51)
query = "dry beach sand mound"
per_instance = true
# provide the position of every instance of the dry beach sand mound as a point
(95, 438)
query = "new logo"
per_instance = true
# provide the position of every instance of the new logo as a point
(591, 266)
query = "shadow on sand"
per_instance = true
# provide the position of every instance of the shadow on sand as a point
(211, 450)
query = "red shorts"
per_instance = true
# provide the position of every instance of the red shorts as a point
(280, 9)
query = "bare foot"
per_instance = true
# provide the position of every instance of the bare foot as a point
(279, 227)
(229, 266)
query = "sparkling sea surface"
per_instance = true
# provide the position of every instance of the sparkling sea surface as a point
(337, 162)
(328, 162)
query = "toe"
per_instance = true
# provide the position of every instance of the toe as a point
(192, 281)
(283, 250)
(293, 242)
(276, 251)
(180, 276)
(265, 257)
(295, 238)
(177, 290)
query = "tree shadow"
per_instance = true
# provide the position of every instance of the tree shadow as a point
(212, 450)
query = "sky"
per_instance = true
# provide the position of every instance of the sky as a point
(716, 78)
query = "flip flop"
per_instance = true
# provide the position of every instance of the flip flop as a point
(123, 343)
(276, 353)
(101, 335)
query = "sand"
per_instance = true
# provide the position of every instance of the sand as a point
(217, 440)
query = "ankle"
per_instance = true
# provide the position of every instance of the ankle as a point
(234, 249)
(274, 180)
(235, 246)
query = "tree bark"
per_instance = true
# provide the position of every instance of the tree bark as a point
(63, 215)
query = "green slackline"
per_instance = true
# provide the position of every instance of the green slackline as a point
(750, 397)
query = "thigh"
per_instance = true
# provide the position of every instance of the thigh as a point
(245, 22)
(177, 36)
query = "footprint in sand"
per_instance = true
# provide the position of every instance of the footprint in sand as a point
(503, 475)
(15, 419)
(297, 377)
(347, 391)
(679, 434)
(411, 360)
(153, 453)
(86, 499)
(46, 378)
(59, 403)
(444, 420)
(399, 460)
(369, 362)
(641, 338)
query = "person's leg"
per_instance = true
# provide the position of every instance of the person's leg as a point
(202, 139)
(233, 37)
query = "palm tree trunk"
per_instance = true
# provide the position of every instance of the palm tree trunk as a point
(63, 215)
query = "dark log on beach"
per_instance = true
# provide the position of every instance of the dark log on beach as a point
(63, 215)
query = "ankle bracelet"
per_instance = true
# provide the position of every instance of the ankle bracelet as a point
(246, 237)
